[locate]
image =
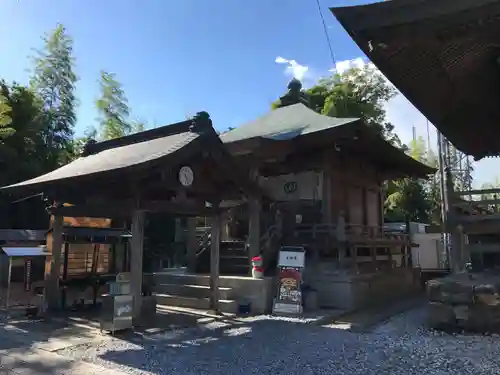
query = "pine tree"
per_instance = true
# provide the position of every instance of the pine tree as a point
(53, 79)
(113, 109)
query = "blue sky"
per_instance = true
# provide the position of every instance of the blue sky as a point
(177, 57)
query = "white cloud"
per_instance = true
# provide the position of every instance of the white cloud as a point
(293, 68)
(343, 66)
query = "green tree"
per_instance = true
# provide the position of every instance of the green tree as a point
(5, 119)
(78, 143)
(113, 108)
(358, 92)
(23, 155)
(53, 79)
(408, 198)
(495, 184)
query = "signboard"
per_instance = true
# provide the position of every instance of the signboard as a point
(27, 275)
(292, 257)
(292, 187)
(291, 263)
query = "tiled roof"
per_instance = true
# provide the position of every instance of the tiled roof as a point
(285, 123)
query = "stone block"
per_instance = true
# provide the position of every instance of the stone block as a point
(148, 306)
(433, 291)
(440, 315)
(486, 294)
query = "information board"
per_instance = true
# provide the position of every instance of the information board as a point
(291, 263)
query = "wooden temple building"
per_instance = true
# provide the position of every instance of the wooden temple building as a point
(444, 57)
(293, 176)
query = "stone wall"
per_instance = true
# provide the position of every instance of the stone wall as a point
(259, 292)
(465, 301)
(344, 290)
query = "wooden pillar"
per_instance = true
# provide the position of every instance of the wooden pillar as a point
(254, 211)
(341, 238)
(192, 245)
(462, 256)
(373, 253)
(53, 294)
(215, 260)
(451, 223)
(326, 203)
(354, 249)
(136, 256)
(381, 198)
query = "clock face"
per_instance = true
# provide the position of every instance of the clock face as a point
(186, 176)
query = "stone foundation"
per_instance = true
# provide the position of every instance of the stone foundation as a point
(344, 289)
(468, 301)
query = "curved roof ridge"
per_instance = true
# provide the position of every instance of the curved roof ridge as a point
(285, 123)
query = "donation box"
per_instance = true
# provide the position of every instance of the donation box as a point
(117, 305)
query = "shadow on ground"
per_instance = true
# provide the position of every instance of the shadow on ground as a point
(24, 361)
(222, 346)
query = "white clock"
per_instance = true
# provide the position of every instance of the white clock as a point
(186, 176)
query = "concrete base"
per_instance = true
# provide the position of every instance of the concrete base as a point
(193, 291)
(148, 306)
(465, 301)
(345, 290)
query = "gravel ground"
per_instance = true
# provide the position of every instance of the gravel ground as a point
(276, 346)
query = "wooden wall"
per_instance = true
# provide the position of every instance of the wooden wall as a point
(80, 255)
(356, 190)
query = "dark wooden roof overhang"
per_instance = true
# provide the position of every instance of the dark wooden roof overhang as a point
(443, 56)
(143, 168)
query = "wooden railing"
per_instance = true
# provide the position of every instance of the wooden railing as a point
(351, 232)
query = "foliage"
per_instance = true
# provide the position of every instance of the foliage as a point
(5, 119)
(358, 92)
(53, 80)
(409, 198)
(113, 108)
(23, 155)
(495, 184)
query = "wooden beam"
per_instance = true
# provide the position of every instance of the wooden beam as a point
(484, 202)
(125, 209)
(483, 248)
(478, 192)
(136, 255)
(478, 218)
(192, 245)
(214, 261)
(254, 212)
(326, 201)
(53, 295)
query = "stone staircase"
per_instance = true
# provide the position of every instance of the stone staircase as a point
(192, 291)
(233, 259)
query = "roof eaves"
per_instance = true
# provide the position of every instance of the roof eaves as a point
(147, 135)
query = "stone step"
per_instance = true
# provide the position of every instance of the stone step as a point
(193, 290)
(190, 279)
(227, 306)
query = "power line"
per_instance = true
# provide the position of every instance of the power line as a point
(327, 36)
